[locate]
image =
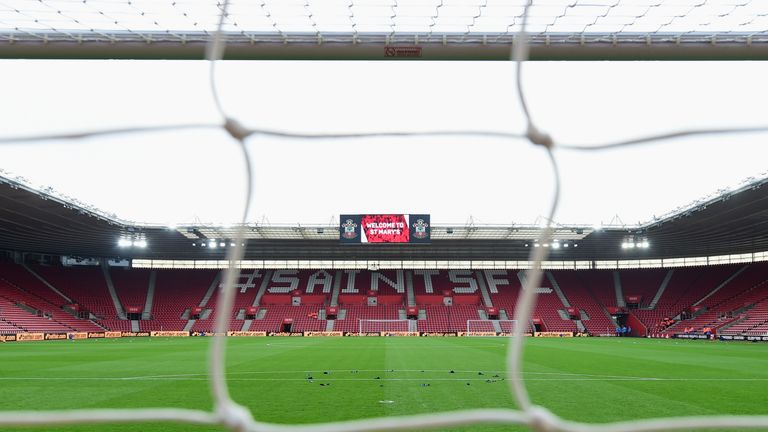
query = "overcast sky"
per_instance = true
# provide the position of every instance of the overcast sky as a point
(198, 176)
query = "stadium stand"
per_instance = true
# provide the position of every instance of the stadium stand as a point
(641, 284)
(300, 317)
(353, 315)
(754, 321)
(33, 306)
(686, 286)
(176, 292)
(84, 286)
(131, 287)
(723, 305)
(594, 315)
(243, 299)
(549, 307)
(731, 298)
(13, 313)
(6, 327)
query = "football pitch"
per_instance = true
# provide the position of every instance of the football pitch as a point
(305, 380)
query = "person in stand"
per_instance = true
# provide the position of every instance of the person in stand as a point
(629, 331)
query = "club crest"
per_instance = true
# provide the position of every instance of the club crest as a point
(420, 229)
(349, 229)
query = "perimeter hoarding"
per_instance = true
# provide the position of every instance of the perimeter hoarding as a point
(385, 228)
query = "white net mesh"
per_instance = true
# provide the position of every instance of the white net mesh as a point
(304, 20)
(364, 22)
(235, 417)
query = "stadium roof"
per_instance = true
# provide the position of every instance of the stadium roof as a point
(38, 222)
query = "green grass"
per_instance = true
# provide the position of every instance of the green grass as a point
(593, 380)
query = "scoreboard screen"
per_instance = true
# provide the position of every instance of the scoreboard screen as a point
(384, 228)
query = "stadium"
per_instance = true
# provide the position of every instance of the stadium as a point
(122, 309)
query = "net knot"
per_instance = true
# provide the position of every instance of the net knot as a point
(538, 137)
(542, 420)
(234, 417)
(237, 130)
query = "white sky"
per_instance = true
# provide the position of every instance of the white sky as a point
(188, 176)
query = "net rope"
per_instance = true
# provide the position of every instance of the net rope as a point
(233, 416)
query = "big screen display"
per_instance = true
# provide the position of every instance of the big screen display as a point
(384, 228)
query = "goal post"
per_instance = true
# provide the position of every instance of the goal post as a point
(383, 325)
(490, 326)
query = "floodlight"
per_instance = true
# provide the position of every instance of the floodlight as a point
(222, 244)
(555, 245)
(124, 242)
(140, 243)
(212, 245)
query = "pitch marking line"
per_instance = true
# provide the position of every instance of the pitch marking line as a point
(328, 375)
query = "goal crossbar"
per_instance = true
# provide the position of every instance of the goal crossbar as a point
(406, 49)
(313, 29)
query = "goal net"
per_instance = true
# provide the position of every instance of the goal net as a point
(469, 29)
(383, 325)
(383, 29)
(477, 327)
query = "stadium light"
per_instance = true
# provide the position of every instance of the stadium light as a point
(140, 243)
(556, 245)
(212, 244)
(124, 242)
(633, 242)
